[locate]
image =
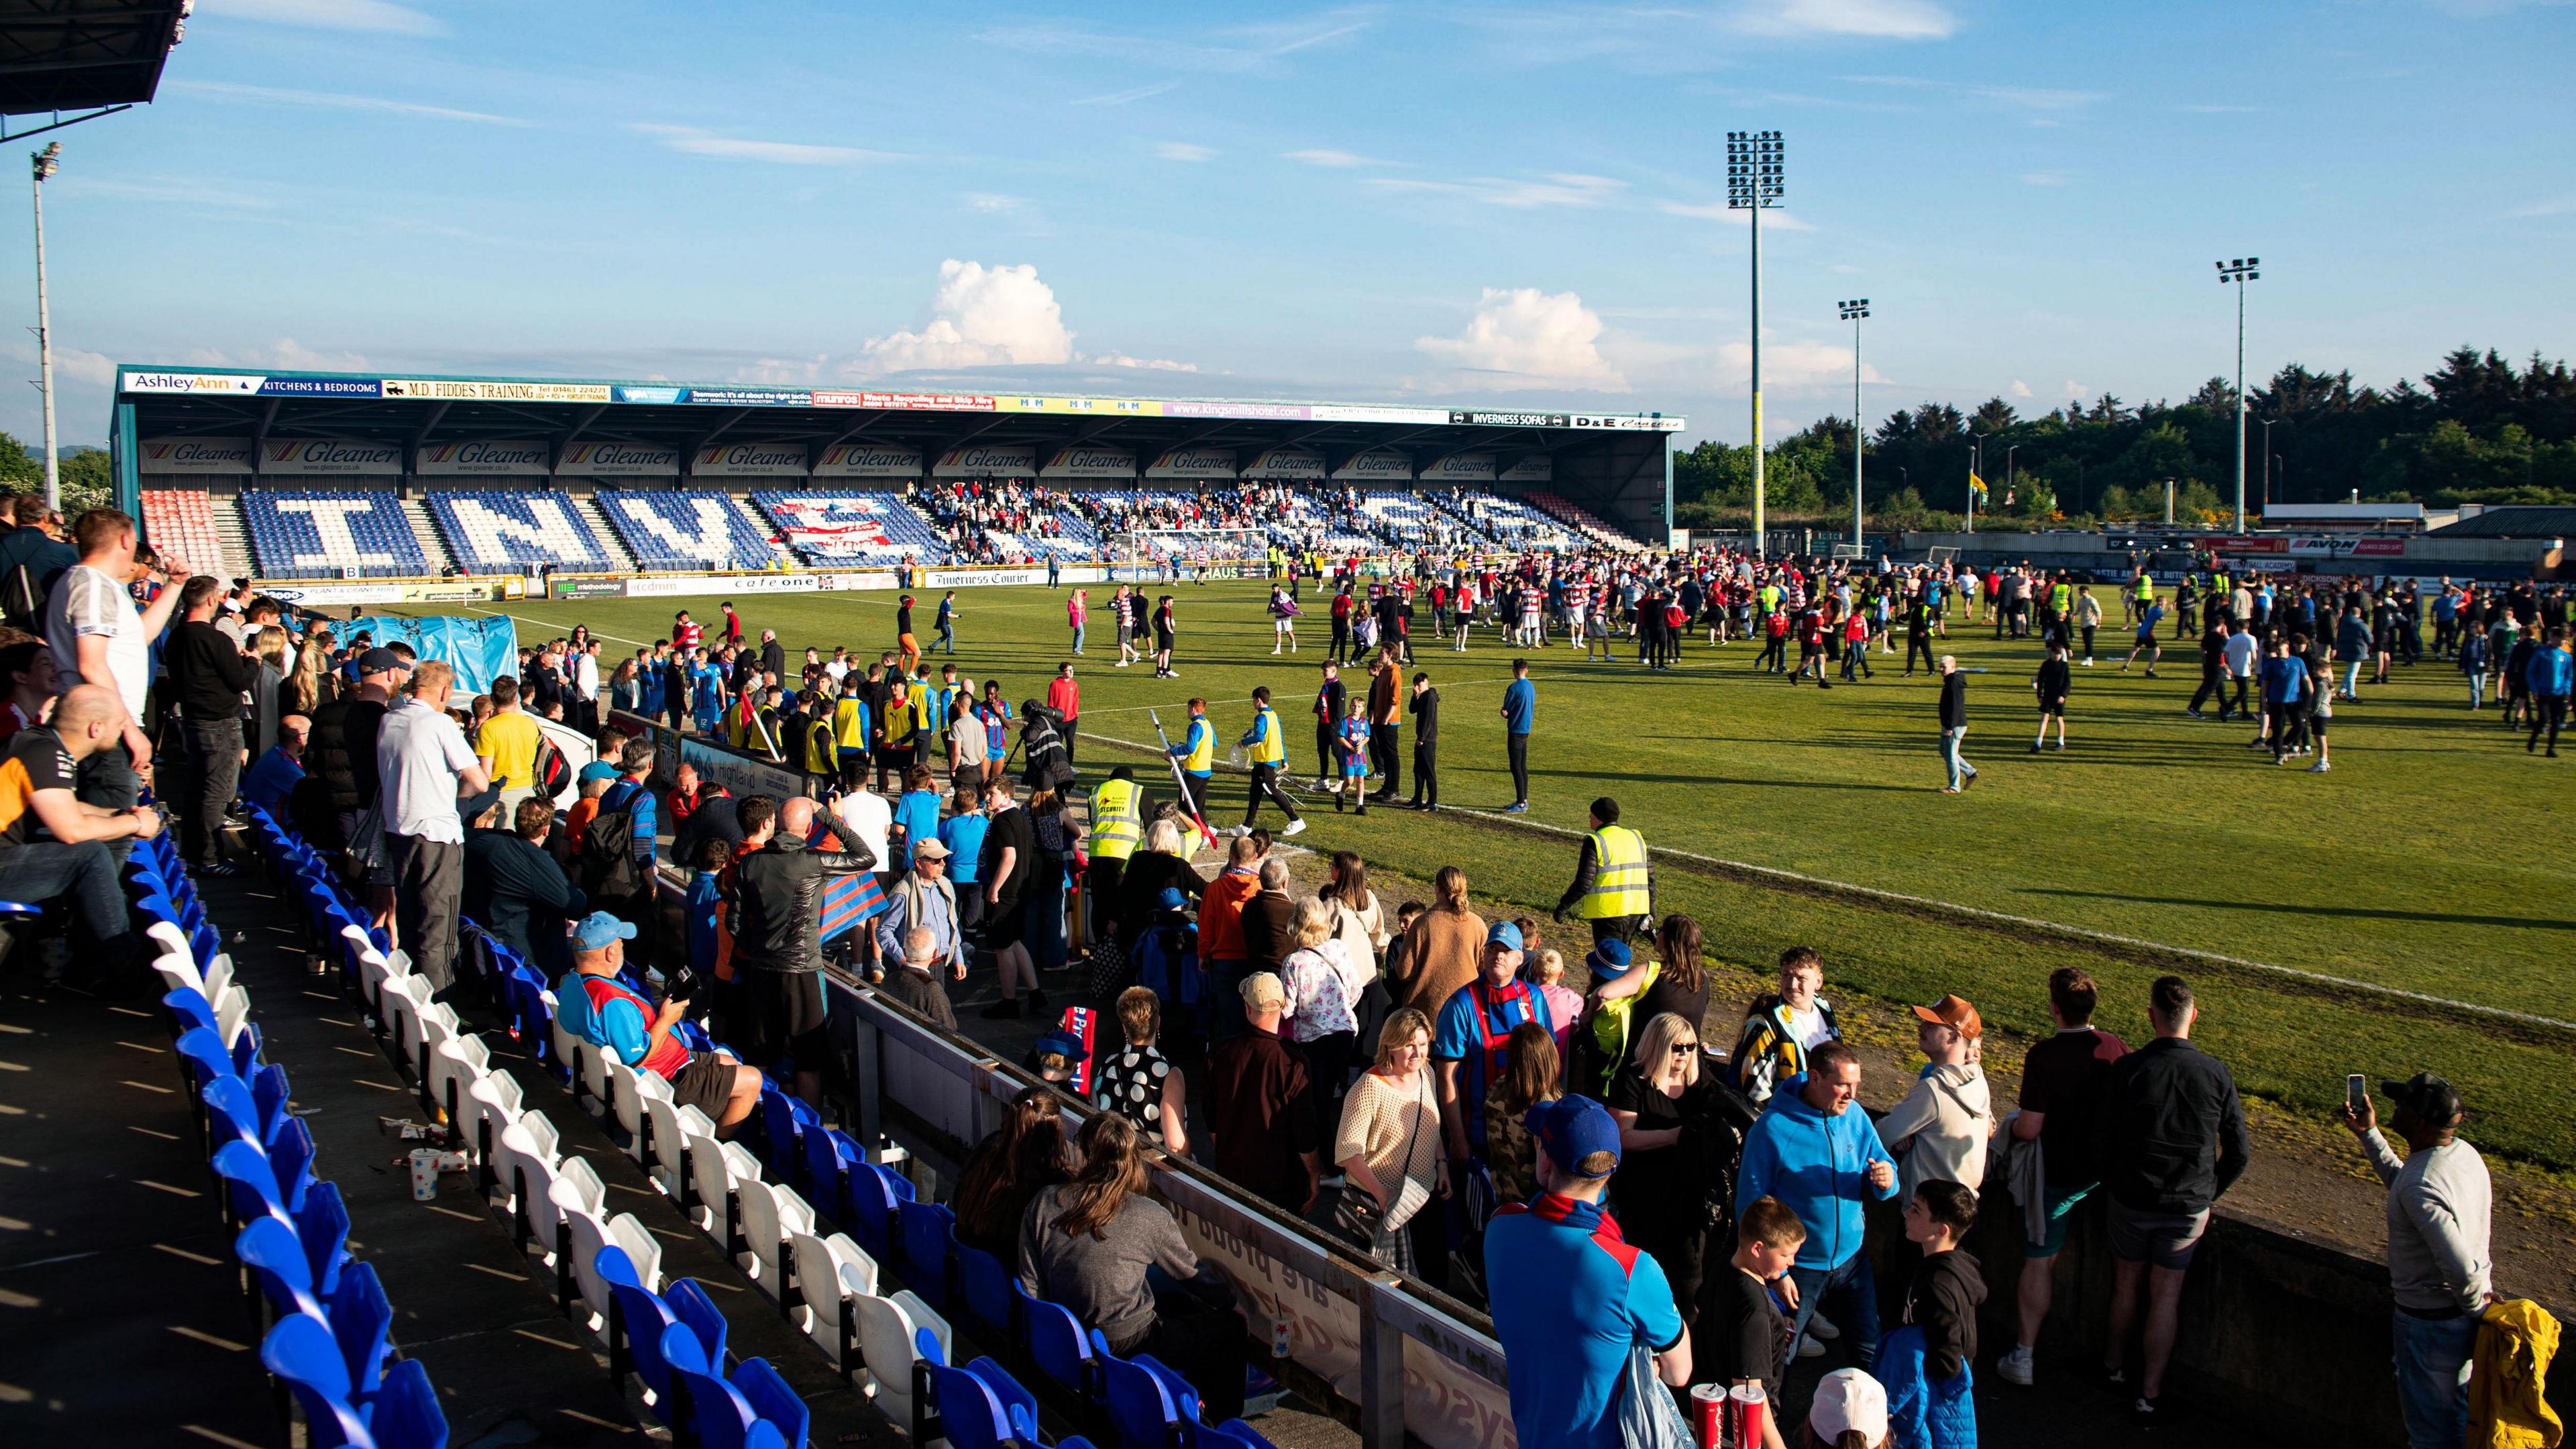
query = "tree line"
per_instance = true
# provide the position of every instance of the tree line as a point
(2475, 430)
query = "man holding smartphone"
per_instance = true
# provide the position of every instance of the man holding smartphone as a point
(2439, 1264)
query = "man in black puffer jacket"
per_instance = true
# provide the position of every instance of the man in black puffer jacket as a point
(774, 912)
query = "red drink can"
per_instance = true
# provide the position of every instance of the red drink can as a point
(1708, 1414)
(1748, 1408)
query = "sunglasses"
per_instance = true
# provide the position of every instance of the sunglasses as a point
(1684, 1048)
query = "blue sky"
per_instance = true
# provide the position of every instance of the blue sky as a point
(1512, 203)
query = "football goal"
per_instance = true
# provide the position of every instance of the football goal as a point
(1176, 555)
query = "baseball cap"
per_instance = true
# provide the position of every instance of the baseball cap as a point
(929, 847)
(1504, 933)
(1954, 1012)
(471, 808)
(596, 770)
(1848, 1399)
(2428, 1096)
(1571, 1129)
(598, 929)
(1608, 958)
(379, 661)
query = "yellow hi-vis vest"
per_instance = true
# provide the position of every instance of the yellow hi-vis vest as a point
(1618, 876)
(850, 722)
(820, 758)
(1272, 747)
(898, 726)
(2146, 588)
(1115, 822)
(1202, 756)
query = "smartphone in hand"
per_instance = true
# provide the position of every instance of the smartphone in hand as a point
(2356, 1093)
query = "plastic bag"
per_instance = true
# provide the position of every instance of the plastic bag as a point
(1648, 1417)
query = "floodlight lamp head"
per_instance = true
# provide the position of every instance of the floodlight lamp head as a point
(49, 160)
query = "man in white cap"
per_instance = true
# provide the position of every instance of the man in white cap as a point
(1850, 1411)
(923, 899)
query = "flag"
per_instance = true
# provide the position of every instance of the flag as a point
(1977, 487)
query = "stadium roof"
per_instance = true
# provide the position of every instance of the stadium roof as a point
(2514, 521)
(69, 55)
(174, 402)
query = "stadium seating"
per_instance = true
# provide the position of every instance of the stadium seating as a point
(504, 529)
(672, 530)
(325, 532)
(850, 528)
(182, 521)
(1511, 522)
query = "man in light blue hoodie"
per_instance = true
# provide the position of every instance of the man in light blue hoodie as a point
(1817, 1151)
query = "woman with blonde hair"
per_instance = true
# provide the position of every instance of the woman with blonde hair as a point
(1160, 863)
(1360, 924)
(308, 688)
(1318, 1016)
(1388, 1146)
(1444, 947)
(1087, 1244)
(1660, 1097)
(275, 650)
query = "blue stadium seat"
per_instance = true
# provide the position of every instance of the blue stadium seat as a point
(685, 528)
(985, 1287)
(276, 1259)
(1141, 1408)
(300, 1351)
(506, 529)
(1058, 1346)
(250, 1184)
(691, 1305)
(322, 1224)
(971, 1414)
(640, 1329)
(405, 1412)
(875, 1196)
(360, 1320)
(929, 1237)
(777, 1404)
(321, 532)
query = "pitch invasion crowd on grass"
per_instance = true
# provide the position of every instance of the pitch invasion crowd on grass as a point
(1420, 1080)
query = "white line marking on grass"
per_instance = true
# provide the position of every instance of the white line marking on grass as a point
(550, 624)
(2081, 933)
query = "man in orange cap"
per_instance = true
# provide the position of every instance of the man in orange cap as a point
(1940, 1129)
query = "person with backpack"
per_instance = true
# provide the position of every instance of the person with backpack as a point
(615, 853)
(31, 559)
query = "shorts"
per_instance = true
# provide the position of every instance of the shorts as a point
(2165, 1240)
(706, 1083)
(1005, 924)
(789, 1009)
(2061, 1216)
(2053, 706)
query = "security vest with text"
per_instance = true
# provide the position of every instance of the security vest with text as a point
(1618, 876)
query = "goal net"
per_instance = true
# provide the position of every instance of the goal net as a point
(1850, 551)
(1189, 554)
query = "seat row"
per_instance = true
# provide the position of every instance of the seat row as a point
(324, 1317)
(803, 1209)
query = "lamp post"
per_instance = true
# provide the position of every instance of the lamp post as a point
(2008, 469)
(2267, 458)
(47, 162)
(1976, 455)
(1852, 311)
(1753, 184)
(2240, 271)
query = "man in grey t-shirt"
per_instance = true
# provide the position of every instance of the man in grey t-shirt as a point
(2439, 1263)
(98, 637)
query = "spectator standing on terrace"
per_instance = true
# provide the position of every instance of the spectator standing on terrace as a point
(514, 888)
(30, 547)
(1262, 1101)
(506, 745)
(1008, 867)
(1470, 1036)
(1939, 1132)
(2174, 1141)
(1570, 1298)
(1822, 1158)
(98, 637)
(426, 767)
(2061, 1087)
(2440, 1205)
(207, 673)
(774, 915)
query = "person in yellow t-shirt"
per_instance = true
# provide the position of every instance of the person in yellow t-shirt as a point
(507, 745)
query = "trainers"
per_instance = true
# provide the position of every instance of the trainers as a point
(1808, 1347)
(1823, 1328)
(2014, 1367)
(2319, 768)
(1518, 807)
(1295, 827)
(2143, 1412)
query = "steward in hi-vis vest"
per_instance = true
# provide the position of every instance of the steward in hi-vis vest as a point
(1614, 885)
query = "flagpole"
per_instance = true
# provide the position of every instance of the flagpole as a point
(1187, 803)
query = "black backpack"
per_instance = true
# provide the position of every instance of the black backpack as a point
(608, 852)
(22, 605)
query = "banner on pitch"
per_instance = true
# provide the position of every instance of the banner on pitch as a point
(480, 648)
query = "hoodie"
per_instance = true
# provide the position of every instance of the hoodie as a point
(1942, 1300)
(1941, 1128)
(1816, 1164)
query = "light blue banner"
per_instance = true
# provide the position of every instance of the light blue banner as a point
(481, 649)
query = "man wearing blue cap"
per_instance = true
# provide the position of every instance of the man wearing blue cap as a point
(593, 1004)
(1468, 1039)
(1569, 1296)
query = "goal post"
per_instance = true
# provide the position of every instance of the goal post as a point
(1941, 555)
(1850, 551)
(1191, 553)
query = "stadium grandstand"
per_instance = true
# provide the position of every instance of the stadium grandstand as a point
(332, 477)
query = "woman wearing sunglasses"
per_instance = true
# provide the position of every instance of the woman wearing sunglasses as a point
(1677, 1150)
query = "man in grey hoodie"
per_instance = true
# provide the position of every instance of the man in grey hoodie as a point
(1939, 1132)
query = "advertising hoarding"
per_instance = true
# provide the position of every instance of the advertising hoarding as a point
(194, 455)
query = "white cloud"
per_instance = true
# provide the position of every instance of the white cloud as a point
(285, 354)
(1522, 337)
(2076, 389)
(980, 317)
(694, 142)
(95, 368)
(2030, 99)
(1238, 50)
(1880, 19)
(2220, 110)
(1556, 188)
(382, 16)
(1773, 218)
(2559, 206)
(2020, 388)
(228, 91)
(1327, 156)
(2046, 178)
(1184, 151)
(1120, 98)
(1150, 364)
(994, 201)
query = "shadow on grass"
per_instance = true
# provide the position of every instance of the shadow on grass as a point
(2370, 913)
